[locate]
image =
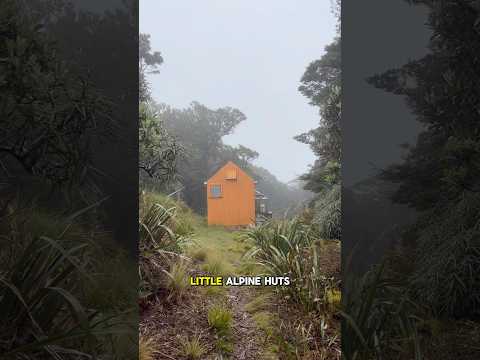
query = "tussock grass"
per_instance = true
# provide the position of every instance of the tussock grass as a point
(113, 277)
(146, 348)
(260, 302)
(220, 319)
(265, 321)
(333, 299)
(224, 346)
(216, 266)
(249, 268)
(198, 254)
(328, 214)
(214, 291)
(216, 240)
(176, 281)
(193, 348)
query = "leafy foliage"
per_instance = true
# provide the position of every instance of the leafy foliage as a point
(328, 214)
(160, 248)
(287, 248)
(176, 280)
(447, 259)
(379, 319)
(158, 151)
(49, 118)
(41, 314)
(321, 84)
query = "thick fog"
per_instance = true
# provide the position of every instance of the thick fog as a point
(245, 54)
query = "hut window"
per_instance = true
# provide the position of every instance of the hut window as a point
(231, 174)
(216, 191)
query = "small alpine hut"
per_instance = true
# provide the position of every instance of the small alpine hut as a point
(231, 197)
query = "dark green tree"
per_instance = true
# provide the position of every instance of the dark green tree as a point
(440, 174)
(321, 84)
(159, 152)
(49, 116)
(200, 131)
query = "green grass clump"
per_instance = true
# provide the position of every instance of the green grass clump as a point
(224, 346)
(258, 303)
(176, 281)
(265, 321)
(214, 290)
(193, 348)
(183, 225)
(215, 266)
(249, 268)
(333, 299)
(199, 254)
(220, 319)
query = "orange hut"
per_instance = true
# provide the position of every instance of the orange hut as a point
(231, 197)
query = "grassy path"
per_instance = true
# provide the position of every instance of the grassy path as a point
(224, 253)
(245, 332)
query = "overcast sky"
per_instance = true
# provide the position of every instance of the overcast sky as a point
(245, 54)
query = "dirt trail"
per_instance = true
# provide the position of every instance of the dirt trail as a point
(245, 333)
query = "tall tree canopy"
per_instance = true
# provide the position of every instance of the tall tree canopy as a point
(158, 150)
(321, 84)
